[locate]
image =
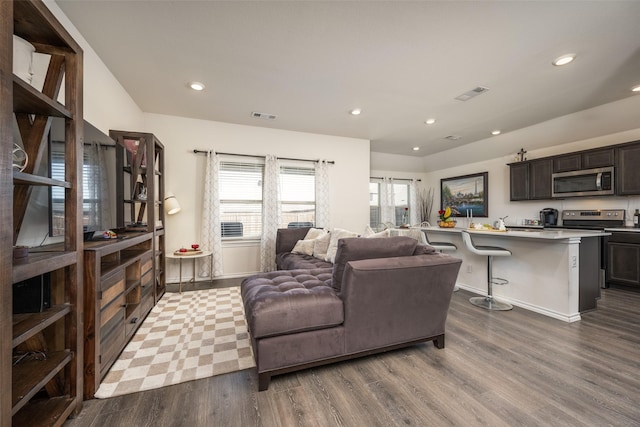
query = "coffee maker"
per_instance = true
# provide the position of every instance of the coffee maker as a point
(549, 216)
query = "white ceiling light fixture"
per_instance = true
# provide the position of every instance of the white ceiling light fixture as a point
(635, 89)
(564, 59)
(196, 86)
(416, 148)
(496, 132)
(430, 121)
(355, 112)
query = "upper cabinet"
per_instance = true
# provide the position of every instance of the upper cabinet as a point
(41, 351)
(591, 159)
(532, 179)
(628, 169)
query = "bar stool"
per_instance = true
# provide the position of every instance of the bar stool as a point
(489, 251)
(438, 246)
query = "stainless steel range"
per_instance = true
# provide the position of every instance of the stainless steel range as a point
(593, 219)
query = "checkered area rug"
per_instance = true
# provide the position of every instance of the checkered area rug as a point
(185, 337)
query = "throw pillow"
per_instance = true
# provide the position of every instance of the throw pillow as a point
(304, 247)
(320, 246)
(314, 233)
(337, 234)
(383, 233)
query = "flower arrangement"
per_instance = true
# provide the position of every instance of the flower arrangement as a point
(445, 218)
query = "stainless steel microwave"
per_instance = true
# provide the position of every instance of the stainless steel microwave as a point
(586, 182)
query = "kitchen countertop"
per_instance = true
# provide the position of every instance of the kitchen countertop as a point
(623, 229)
(528, 233)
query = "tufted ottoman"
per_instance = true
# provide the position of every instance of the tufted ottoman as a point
(284, 302)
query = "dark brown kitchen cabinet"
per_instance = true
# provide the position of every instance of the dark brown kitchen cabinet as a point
(540, 179)
(623, 259)
(530, 180)
(628, 169)
(598, 158)
(519, 180)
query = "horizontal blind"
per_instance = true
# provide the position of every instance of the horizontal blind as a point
(240, 186)
(297, 196)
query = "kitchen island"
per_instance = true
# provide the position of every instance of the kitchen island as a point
(552, 272)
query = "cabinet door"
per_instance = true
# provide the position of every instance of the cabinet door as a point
(519, 181)
(540, 178)
(623, 263)
(628, 172)
(598, 158)
(570, 162)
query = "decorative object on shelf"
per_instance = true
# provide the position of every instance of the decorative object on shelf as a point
(520, 155)
(171, 205)
(23, 58)
(445, 220)
(466, 193)
(20, 252)
(195, 246)
(20, 158)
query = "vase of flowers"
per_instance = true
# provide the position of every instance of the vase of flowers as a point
(445, 220)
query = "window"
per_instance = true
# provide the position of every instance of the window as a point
(240, 187)
(297, 197)
(92, 199)
(376, 204)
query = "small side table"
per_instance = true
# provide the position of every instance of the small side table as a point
(193, 257)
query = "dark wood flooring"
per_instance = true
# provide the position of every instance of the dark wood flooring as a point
(513, 368)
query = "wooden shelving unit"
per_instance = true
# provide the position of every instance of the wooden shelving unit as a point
(118, 296)
(44, 387)
(140, 165)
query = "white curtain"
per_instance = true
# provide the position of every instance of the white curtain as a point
(211, 233)
(270, 213)
(414, 215)
(387, 202)
(322, 195)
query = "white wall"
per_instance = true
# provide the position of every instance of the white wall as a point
(184, 173)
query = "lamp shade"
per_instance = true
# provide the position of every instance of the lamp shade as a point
(171, 205)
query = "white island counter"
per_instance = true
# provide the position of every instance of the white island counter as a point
(552, 272)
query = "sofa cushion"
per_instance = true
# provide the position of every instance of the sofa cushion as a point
(424, 249)
(284, 302)
(320, 246)
(354, 249)
(304, 247)
(337, 234)
(291, 261)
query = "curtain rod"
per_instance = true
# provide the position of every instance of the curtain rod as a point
(196, 151)
(395, 179)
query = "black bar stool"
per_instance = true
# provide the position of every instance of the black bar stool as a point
(489, 251)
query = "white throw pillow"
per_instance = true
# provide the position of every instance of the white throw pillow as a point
(383, 233)
(314, 233)
(304, 247)
(320, 246)
(337, 234)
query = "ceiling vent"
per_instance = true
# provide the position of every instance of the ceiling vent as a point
(472, 93)
(453, 137)
(264, 116)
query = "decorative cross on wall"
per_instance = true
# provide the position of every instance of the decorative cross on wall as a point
(522, 152)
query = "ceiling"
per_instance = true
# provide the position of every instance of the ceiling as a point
(310, 62)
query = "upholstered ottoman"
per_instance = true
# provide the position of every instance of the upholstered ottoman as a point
(284, 302)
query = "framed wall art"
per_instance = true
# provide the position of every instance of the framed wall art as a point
(466, 195)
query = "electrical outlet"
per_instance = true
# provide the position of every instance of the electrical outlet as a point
(469, 269)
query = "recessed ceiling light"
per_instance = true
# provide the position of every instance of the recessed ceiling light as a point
(196, 86)
(635, 88)
(416, 148)
(355, 112)
(430, 121)
(495, 132)
(564, 59)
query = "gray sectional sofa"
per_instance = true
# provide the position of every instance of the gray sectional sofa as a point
(379, 295)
